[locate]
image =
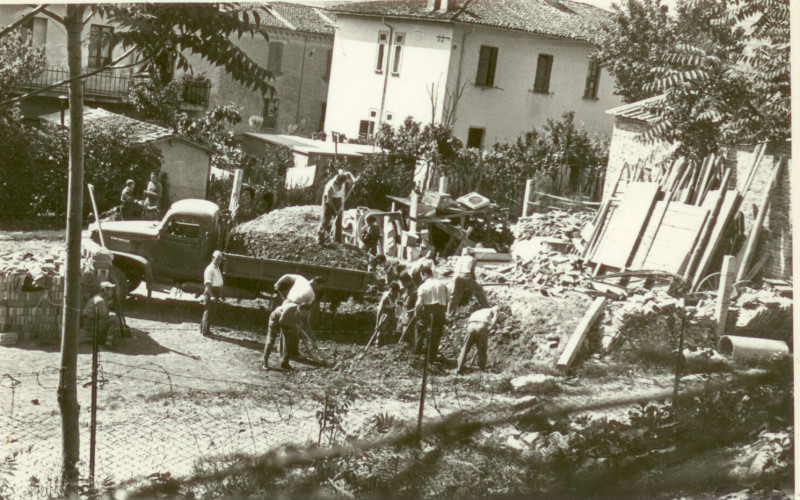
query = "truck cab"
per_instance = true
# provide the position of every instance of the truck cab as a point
(173, 251)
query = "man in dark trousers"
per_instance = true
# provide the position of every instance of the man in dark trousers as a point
(152, 206)
(212, 283)
(97, 311)
(465, 281)
(430, 312)
(128, 202)
(333, 198)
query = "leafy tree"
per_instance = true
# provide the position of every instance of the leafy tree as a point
(721, 65)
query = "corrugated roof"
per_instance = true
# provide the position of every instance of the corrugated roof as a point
(296, 17)
(640, 110)
(561, 18)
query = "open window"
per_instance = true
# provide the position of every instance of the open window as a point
(183, 228)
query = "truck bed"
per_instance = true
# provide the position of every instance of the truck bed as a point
(268, 271)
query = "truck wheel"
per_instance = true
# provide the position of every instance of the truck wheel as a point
(120, 280)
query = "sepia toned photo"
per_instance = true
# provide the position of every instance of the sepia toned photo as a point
(396, 249)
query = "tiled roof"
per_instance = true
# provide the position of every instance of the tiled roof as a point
(296, 17)
(561, 18)
(640, 110)
(145, 132)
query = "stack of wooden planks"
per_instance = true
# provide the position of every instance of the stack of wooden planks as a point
(673, 222)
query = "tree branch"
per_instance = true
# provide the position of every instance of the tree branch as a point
(21, 20)
(68, 80)
(51, 15)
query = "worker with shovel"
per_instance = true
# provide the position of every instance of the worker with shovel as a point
(387, 317)
(333, 197)
(286, 322)
(96, 315)
(430, 311)
(408, 300)
(478, 327)
(465, 282)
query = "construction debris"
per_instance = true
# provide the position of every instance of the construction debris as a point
(554, 223)
(291, 234)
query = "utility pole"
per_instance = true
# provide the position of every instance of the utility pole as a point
(70, 330)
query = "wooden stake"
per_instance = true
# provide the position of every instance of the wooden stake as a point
(752, 238)
(527, 199)
(724, 294)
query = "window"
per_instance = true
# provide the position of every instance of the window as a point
(328, 66)
(270, 112)
(592, 80)
(475, 137)
(389, 116)
(399, 41)
(487, 63)
(37, 27)
(366, 128)
(543, 67)
(183, 228)
(275, 57)
(383, 39)
(99, 45)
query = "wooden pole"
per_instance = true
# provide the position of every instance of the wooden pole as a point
(236, 193)
(413, 210)
(724, 294)
(70, 330)
(574, 344)
(752, 239)
(527, 199)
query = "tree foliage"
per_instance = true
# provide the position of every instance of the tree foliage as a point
(163, 34)
(721, 65)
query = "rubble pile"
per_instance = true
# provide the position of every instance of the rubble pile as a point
(291, 234)
(553, 224)
(756, 313)
(48, 262)
(623, 320)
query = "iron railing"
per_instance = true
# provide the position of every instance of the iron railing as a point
(110, 86)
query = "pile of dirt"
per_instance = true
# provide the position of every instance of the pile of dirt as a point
(291, 234)
(553, 223)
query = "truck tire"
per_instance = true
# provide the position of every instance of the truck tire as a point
(120, 280)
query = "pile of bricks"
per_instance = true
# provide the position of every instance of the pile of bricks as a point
(26, 312)
(638, 306)
(553, 223)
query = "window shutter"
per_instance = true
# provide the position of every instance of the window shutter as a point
(275, 57)
(483, 65)
(543, 67)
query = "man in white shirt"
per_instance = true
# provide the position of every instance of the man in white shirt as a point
(478, 326)
(430, 313)
(212, 283)
(465, 281)
(301, 291)
(333, 198)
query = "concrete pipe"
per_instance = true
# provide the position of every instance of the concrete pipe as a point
(751, 347)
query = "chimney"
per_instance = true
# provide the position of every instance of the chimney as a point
(436, 6)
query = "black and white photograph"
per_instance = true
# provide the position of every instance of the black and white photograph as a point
(397, 249)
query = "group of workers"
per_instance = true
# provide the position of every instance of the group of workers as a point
(149, 208)
(420, 301)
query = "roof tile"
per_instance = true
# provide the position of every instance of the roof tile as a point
(301, 18)
(561, 18)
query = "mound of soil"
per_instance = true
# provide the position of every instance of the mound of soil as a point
(291, 234)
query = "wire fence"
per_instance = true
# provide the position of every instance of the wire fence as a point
(174, 426)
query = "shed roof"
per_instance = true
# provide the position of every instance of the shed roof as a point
(307, 146)
(144, 132)
(641, 111)
(561, 18)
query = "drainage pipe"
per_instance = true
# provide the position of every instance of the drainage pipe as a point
(751, 347)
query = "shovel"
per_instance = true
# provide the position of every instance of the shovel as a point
(377, 329)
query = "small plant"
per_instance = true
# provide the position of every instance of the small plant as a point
(331, 418)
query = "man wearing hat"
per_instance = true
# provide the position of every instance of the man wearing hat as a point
(212, 283)
(127, 200)
(97, 311)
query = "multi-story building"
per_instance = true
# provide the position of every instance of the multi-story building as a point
(490, 69)
(107, 88)
(295, 43)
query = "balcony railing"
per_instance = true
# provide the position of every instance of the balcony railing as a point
(107, 85)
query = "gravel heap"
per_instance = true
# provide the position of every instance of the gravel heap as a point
(291, 234)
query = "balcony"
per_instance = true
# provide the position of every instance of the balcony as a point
(107, 86)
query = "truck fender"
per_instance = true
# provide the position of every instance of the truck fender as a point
(141, 261)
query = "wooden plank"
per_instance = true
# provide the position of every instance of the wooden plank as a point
(678, 168)
(759, 155)
(730, 204)
(752, 238)
(712, 204)
(574, 344)
(627, 224)
(649, 234)
(599, 227)
(675, 238)
(724, 294)
(705, 176)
